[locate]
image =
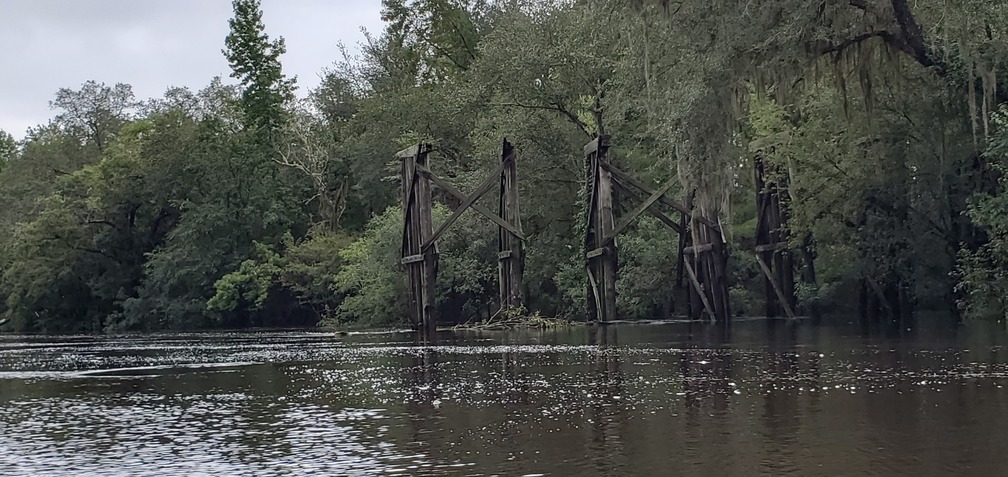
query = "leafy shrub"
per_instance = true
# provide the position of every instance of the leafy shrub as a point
(372, 282)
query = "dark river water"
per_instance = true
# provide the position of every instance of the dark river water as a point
(760, 398)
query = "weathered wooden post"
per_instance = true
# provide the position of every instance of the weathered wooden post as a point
(511, 260)
(696, 270)
(600, 243)
(772, 252)
(706, 263)
(718, 263)
(418, 228)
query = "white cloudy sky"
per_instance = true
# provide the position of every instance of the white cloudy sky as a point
(153, 44)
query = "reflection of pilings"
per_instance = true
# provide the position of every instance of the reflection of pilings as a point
(706, 371)
(715, 335)
(607, 413)
(706, 377)
(781, 410)
(515, 379)
(423, 376)
(425, 339)
(602, 336)
(424, 381)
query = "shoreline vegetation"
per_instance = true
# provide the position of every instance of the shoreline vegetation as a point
(516, 319)
(857, 149)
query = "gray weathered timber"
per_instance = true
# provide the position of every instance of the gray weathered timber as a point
(450, 189)
(419, 239)
(601, 223)
(701, 248)
(771, 238)
(776, 287)
(511, 254)
(421, 264)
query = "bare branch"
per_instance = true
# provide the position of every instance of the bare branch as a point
(469, 49)
(307, 150)
(555, 106)
(886, 36)
(101, 222)
(913, 36)
(863, 5)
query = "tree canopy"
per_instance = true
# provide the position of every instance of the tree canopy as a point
(882, 122)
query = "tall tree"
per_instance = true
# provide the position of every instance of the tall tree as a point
(95, 112)
(8, 148)
(245, 201)
(255, 62)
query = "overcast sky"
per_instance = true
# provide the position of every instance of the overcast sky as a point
(152, 44)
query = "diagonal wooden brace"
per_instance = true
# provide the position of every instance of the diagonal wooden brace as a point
(629, 180)
(410, 199)
(776, 286)
(699, 289)
(450, 189)
(480, 191)
(636, 212)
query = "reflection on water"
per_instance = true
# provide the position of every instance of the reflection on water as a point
(766, 397)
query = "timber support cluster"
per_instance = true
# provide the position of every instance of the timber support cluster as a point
(421, 262)
(772, 252)
(702, 250)
(419, 240)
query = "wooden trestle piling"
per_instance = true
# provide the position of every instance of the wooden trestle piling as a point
(510, 256)
(702, 250)
(418, 227)
(772, 252)
(419, 244)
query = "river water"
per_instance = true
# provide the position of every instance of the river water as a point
(758, 398)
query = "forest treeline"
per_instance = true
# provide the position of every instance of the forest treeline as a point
(239, 204)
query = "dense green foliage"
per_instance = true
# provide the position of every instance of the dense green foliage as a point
(239, 206)
(983, 270)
